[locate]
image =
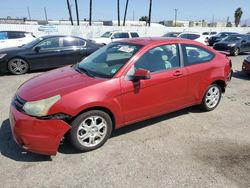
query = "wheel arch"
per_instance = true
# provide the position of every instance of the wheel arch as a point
(18, 57)
(101, 108)
(220, 83)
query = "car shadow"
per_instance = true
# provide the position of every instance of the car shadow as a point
(241, 75)
(67, 148)
(9, 149)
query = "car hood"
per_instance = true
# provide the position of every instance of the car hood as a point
(56, 82)
(12, 50)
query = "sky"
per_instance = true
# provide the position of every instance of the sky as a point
(208, 10)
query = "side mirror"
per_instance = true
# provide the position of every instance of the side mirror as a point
(243, 41)
(141, 74)
(37, 48)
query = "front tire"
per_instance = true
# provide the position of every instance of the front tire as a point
(90, 130)
(18, 66)
(211, 98)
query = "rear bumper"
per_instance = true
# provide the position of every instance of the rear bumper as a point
(246, 67)
(35, 135)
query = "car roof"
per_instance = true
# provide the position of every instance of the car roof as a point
(144, 41)
(51, 36)
(16, 31)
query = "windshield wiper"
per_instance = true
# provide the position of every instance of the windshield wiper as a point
(82, 70)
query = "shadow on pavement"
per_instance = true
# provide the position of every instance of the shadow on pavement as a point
(228, 158)
(241, 75)
(9, 149)
(67, 148)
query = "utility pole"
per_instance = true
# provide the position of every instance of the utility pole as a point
(28, 9)
(90, 12)
(45, 13)
(118, 12)
(125, 13)
(175, 22)
(133, 15)
(70, 15)
(149, 13)
(77, 13)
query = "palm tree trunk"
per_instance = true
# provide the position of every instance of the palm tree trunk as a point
(90, 12)
(70, 15)
(77, 13)
(125, 13)
(149, 13)
(118, 11)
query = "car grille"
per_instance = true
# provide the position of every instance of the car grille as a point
(18, 103)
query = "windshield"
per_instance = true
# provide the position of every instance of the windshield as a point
(233, 38)
(32, 43)
(106, 35)
(108, 60)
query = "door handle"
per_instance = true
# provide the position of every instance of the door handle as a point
(178, 73)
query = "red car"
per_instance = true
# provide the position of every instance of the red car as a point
(122, 83)
(246, 65)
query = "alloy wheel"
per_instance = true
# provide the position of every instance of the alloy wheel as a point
(18, 66)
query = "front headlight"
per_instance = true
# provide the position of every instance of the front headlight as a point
(40, 108)
(2, 55)
(231, 45)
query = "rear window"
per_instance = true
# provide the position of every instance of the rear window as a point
(3, 35)
(134, 35)
(190, 36)
(15, 35)
(121, 35)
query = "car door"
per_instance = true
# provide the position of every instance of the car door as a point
(165, 91)
(46, 54)
(197, 62)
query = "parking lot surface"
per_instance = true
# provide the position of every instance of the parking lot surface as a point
(187, 148)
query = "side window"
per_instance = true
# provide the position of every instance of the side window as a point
(134, 35)
(159, 59)
(15, 35)
(121, 35)
(195, 54)
(3, 35)
(70, 41)
(49, 43)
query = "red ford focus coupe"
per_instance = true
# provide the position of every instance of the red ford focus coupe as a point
(122, 83)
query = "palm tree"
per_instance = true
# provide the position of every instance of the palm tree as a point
(149, 13)
(77, 13)
(118, 11)
(125, 13)
(70, 15)
(237, 16)
(90, 12)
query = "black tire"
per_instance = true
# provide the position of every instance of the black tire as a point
(77, 130)
(18, 66)
(205, 101)
(235, 51)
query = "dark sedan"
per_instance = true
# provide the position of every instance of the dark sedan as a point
(246, 65)
(234, 44)
(219, 37)
(46, 52)
(172, 34)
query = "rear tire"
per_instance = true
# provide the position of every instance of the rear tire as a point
(90, 130)
(211, 98)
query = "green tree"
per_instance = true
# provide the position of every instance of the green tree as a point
(144, 18)
(237, 16)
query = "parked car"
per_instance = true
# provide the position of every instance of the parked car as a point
(209, 34)
(246, 65)
(219, 37)
(193, 36)
(234, 44)
(46, 52)
(15, 38)
(110, 36)
(122, 83)
(172, 34)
